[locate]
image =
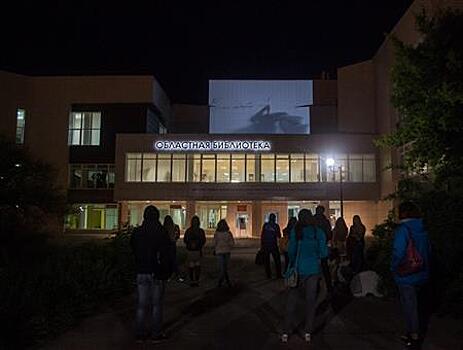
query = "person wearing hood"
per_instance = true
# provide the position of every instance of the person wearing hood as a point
(412, 279)
(151, 246)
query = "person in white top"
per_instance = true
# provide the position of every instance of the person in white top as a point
(223, 245)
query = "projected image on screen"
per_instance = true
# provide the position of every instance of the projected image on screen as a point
(260, 106)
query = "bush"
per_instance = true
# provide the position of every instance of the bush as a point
(46, 288)
(378, 255)
(443, 220)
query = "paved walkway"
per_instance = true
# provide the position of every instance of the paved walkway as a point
(249, 316)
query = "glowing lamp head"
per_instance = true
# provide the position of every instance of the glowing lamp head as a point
(330, 162)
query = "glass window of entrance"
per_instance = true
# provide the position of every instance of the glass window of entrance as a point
(238, 167)
(223, 167)
(267, 168)
(282, 167)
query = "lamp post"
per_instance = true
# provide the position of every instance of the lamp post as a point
(330, 162)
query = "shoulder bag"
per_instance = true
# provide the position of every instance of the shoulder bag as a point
(292, 277)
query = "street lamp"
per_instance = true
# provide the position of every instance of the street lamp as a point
(331, 163)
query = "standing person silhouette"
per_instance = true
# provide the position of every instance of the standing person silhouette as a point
(195, 239)
(271, 233)
(173, 231)
(325, 225)
(412, 284)
(357, 237)
(152, 249)
(223, 245)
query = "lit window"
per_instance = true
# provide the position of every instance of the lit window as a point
(93, 217)
(311, 168)
(223, 167)
(297, 167)
(369, 168)
(333, 172)
(267, 168)
(250, 168)
(208, 168)
(84, 128)
(20, 125)
(178, 168)
(164, 162)
(238, 167)
(149, 167)
(88, 176)
(355, 168)
(282, 168)
(133, 167)
(194, 167)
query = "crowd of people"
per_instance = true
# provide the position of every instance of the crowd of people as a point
(312, 251)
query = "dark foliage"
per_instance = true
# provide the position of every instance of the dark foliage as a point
(29, 197)
(47, 287)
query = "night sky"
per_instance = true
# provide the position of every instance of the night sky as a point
(186, 43)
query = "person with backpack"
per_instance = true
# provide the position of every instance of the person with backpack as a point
(270, 235)
(307, 247)
(194, 239)
(283, 244)
(173, 231)
(410, 266)
(223, 245)
(151, 246)
(325, 225)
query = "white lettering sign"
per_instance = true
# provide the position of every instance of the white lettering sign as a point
(211, 146)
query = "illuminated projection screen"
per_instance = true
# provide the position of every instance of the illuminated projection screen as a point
(260, 106)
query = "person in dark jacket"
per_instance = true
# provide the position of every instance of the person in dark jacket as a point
(285, 240)
(271, 233)
(195, 239)
(173, 230)
(357, 244)
(412, 287)
(325, 225)
(151, 246)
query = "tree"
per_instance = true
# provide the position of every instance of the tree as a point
(28, 194)
(428, 95)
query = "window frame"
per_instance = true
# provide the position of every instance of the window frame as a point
(82, 129)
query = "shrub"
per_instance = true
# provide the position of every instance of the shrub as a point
(379, 254)
(45, 287)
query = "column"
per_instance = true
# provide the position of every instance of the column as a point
(256, 218)
(190, 212)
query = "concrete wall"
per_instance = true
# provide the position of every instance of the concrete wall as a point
(189, 119)
(48, 102)
(356, 98)
(14, 94)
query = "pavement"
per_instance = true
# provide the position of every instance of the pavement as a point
(249, 316)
